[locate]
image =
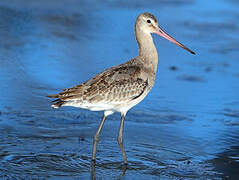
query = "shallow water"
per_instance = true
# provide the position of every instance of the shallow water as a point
(186, 128)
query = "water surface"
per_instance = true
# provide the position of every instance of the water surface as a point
(186, 128)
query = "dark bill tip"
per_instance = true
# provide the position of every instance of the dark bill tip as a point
(192, 52)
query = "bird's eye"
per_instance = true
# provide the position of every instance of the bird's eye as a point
(148, 21)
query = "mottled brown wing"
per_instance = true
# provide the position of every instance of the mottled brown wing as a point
(116, 84)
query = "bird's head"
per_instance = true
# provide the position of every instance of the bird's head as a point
(147, 23)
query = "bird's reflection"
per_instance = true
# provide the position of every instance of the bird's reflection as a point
(93, 170)
(124, 168)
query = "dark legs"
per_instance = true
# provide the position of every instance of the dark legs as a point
(96, 137)
(120, 138)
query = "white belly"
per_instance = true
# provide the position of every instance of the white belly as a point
(114, 106)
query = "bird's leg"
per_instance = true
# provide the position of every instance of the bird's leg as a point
(120, 138)
(96, 137)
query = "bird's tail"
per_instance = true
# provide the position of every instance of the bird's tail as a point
(57, 102)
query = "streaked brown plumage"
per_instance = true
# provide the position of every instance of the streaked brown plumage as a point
(121, 87)
(125, 82)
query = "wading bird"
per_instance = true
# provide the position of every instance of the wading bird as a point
(121, 87)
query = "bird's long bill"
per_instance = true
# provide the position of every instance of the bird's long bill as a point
(160, 32)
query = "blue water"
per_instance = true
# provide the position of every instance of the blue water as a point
(186, 128)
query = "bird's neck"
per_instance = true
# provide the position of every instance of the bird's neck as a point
(147, 50)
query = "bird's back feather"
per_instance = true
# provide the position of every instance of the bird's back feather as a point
(118, 84)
